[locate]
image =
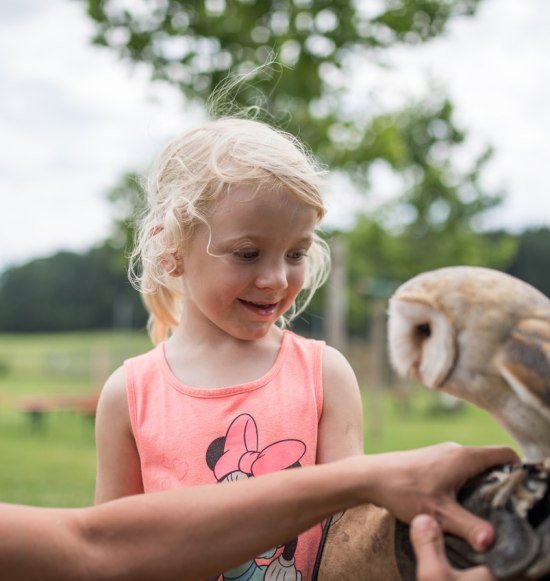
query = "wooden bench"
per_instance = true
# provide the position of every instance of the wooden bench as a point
(37, 407)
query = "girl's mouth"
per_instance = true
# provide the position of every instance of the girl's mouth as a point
(264, 309)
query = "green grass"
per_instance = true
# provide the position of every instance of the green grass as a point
(391, 424)
(64, 362)
(54, 464)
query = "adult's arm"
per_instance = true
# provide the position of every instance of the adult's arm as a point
(186, 533)
(194, 532)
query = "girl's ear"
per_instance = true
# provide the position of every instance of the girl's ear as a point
(172, 264)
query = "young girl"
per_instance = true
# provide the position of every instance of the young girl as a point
(228, 256)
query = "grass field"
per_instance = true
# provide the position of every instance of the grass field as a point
(53, 464)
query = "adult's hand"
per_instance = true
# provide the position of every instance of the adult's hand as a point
(427, 481)
(432, 564)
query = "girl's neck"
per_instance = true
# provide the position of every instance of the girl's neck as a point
(221, 361)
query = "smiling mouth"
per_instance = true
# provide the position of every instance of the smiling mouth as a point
(260, 308)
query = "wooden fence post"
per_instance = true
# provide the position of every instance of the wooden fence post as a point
(336, 306)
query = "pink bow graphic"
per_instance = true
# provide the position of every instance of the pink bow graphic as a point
(241, 451)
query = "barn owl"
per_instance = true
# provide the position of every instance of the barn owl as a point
(482, 336)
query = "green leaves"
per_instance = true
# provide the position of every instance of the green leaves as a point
(292, 63)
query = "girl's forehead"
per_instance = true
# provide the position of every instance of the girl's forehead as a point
(261, 215)
(243, 201)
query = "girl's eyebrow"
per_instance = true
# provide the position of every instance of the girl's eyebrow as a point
(306, 240)
(252, 238)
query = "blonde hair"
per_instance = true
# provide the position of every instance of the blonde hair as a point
(190, 176)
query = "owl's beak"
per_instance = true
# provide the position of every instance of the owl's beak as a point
(441, 383)
(438, 382)
(415, 370)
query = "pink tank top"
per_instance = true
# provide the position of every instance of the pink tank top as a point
(187, 436)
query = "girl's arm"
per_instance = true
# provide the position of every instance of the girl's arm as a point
(118, 467)
(194, 532)
(341, 424)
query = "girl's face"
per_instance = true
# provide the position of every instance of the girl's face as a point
(244, 274)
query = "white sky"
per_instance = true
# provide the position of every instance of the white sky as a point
(73, 118)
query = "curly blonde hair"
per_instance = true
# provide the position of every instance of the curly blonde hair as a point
(187, 180)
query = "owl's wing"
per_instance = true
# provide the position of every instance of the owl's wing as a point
(525, 363)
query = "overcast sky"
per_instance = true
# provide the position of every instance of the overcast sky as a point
(73, 118)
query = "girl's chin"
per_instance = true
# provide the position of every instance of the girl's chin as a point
(255, 331)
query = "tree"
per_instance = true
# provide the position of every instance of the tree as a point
(380, 260)
(193, 45)
(320, 45)
(532, 259)
(68, 292)
(128, 199)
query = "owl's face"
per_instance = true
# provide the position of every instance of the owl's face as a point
(445, 327)
(483, 336)
(421, 339)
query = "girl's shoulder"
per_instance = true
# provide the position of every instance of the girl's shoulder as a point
(294, 339)
(147, 357)
(334, 362)
(113, 394)
(336, 365)
(144, 364)
(304, 349)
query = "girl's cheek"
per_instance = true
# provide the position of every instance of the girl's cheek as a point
(301, 277)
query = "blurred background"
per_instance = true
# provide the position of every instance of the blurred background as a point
(431, 115)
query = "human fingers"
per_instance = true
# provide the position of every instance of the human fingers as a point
(427, 541)
(432, 564)
(457, 520)
(479, 459)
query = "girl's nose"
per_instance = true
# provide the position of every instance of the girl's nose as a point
(272, 276)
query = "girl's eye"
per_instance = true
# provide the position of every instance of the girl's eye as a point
(297, 256)
(247, 254)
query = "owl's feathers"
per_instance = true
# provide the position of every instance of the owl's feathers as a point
(483, 336)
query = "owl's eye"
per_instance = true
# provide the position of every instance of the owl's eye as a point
(424, 330)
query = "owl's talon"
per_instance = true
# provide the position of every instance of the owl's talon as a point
(508, 488)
